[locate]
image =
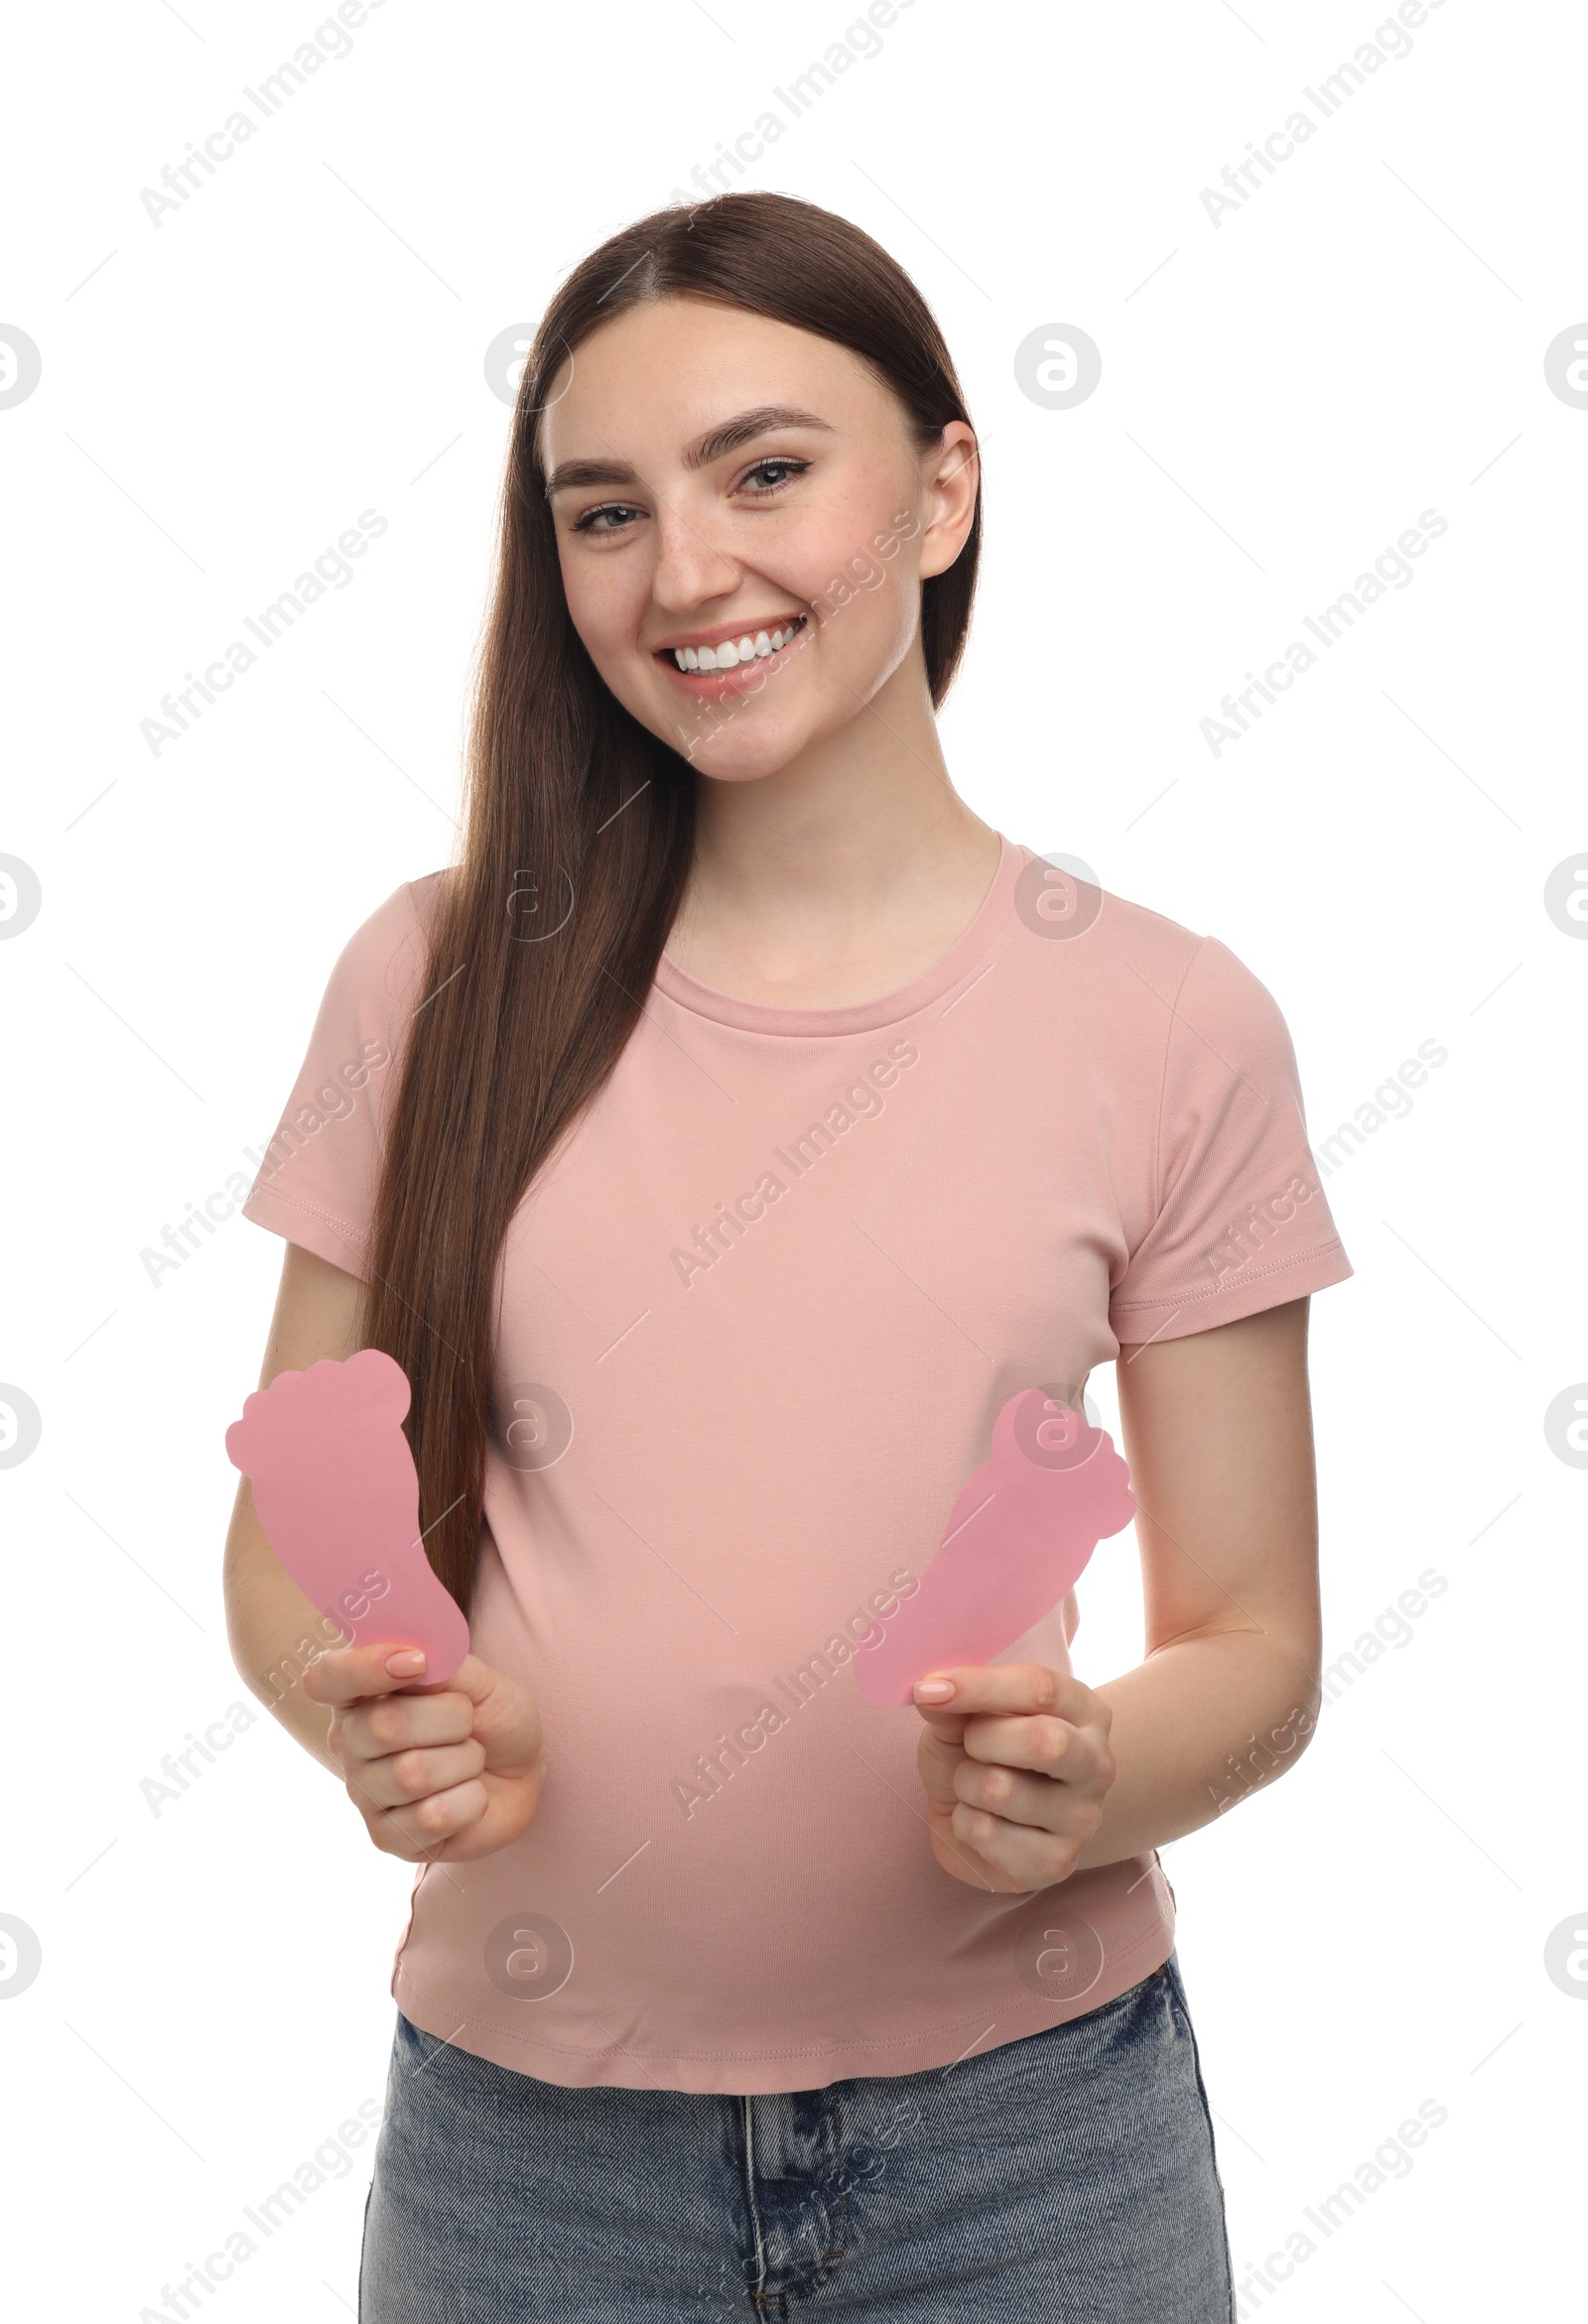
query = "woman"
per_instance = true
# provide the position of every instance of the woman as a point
(719, 1147)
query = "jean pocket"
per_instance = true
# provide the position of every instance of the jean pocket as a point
(408, 2041)
(414, 2051)
(1120, 2002)
(1078, 2053)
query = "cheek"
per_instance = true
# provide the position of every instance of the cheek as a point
(869, 599)
(606, 599)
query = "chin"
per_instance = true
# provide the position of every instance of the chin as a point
(744, 766)
(736, 751)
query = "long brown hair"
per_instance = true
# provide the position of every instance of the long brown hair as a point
(578, 831)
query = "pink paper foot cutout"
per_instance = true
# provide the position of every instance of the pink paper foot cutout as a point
(337, 1494)
(1019, 1536)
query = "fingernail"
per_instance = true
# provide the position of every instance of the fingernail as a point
(934, 1690)
(408, 1664)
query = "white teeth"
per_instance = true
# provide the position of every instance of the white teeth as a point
(733, 651)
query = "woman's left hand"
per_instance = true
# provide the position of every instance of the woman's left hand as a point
(1016, 1765)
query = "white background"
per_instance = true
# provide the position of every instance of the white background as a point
(1282, 394)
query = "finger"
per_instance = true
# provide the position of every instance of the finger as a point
(1054, 1783)
(935, 1761)
(1031, 1801)
(1024, 1856)
(1054, 1747)
(1015, 1687)
(415, 1830)
(349, 1675)
(405, 1777)
(398, 1723)
(473, 1678)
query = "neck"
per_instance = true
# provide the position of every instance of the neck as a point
(859, 817)
(841, 874)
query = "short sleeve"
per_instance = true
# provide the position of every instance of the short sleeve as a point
(318, 1181)
(1242, 1222)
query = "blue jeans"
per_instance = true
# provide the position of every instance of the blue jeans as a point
(1064, 2178)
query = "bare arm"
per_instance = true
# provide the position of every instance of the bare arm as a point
(1218, 1434)
(1030, 1774)
(274, 1629)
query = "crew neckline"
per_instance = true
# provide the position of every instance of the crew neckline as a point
(861, 1016)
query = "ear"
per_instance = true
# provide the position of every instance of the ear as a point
(953, 476)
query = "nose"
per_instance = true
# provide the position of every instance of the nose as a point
(690, 566)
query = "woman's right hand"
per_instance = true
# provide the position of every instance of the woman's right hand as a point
(440, 1774)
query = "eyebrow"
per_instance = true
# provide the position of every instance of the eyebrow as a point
(727, 436)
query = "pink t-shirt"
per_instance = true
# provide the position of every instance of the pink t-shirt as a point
(758, 1313)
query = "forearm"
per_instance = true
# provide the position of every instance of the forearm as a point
(275, 1633)
(1198, 1727)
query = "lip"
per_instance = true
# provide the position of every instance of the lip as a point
(745, 677)
(733, 629)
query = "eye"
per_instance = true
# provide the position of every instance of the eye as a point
(621, 513)
(588, 524)
(781, 469)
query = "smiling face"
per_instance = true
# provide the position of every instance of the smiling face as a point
(743, 523)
